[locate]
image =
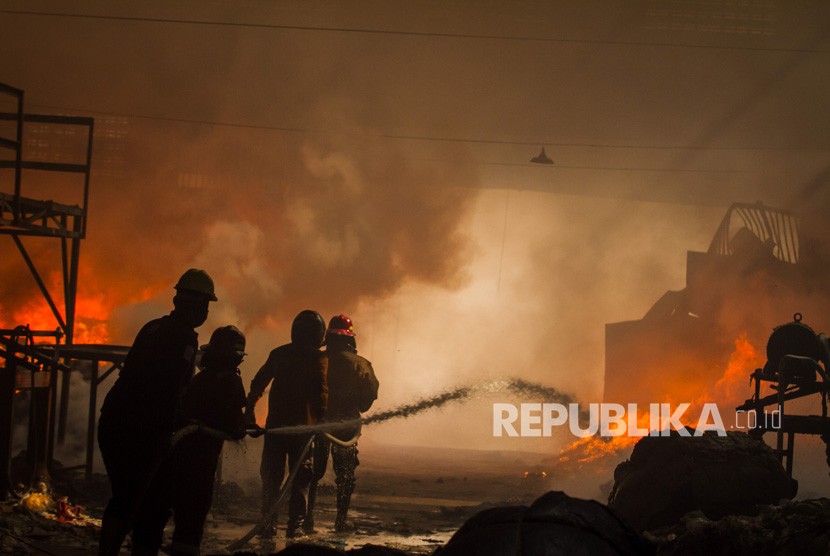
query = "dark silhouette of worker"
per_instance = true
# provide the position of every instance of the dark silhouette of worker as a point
(298, 396)
(215, 398)
(139, 415)
(353, 387)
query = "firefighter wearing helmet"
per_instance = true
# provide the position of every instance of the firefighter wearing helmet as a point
(298, 396)
(139, 411)
(216, 398)
(353, 388)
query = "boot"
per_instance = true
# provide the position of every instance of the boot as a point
(340, 525)
(294, 529)
(343, 501)
(269, 529)
(308, 525)
(308, 522)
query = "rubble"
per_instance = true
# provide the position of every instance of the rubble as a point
(791, 529)
(555, 524)
(23, 531)
(667, 477)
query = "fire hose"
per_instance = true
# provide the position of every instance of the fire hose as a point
(323, 429)
(406, 410)
(268, 516)
(198, 427)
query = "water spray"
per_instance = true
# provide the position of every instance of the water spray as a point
(460, 394)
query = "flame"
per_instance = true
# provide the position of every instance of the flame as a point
(727, 392)
(92, 313)
(731, 388)
(593, 448)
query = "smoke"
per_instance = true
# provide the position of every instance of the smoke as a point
(283, 221)
(307, 202)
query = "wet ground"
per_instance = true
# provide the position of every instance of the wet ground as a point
(407, 498)
(412, 500)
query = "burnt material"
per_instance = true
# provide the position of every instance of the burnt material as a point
(555, 524)
(667, 477)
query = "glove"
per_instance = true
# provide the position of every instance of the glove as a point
(254, 431)
(250, 415)
(239, 433)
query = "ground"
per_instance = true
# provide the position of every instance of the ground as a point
(412, 499)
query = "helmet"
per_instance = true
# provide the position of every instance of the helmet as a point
(341, 325)
(198, 281)
(308, 329)
(227, 340)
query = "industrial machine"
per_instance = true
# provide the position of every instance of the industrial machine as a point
(797, 367)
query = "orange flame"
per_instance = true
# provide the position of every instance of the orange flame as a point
(91, 315)
(728, 391)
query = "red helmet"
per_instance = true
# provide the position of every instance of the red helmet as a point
(341, 325)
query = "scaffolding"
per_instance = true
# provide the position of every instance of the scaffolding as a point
(32, 367)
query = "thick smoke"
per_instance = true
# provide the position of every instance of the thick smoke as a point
(448, 285)
(282, 220)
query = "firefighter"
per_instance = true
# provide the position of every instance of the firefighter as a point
(138, 417)
(298, 396)
(215, 398)
(353, 388)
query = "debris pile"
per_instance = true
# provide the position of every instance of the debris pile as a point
(25, 531)
(667, 477)
(554, 524)
(792, 529)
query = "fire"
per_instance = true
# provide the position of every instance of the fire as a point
(729, 391)
(731, 388)
(91, 315)
(592, 448)
(39, 500)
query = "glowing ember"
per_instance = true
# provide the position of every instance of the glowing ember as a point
(39, 500)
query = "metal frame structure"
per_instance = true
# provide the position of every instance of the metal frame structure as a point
(796, 377)
(42, 362)
(24, 216)
(779, 228)
(21, 216)
(95, 354)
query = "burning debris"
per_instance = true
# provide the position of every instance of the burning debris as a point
(41, 501)
(759, 266)
(37, 524)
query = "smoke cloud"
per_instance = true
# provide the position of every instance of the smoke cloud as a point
(278, 160)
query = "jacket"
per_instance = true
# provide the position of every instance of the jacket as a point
(299, 390)
(353, 387)
(157, 367)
